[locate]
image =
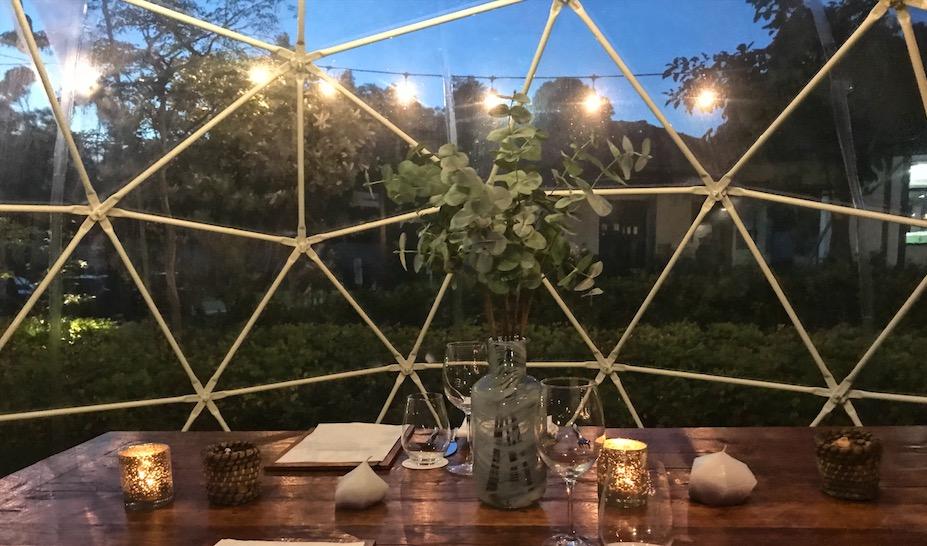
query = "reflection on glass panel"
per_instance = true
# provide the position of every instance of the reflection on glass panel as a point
(134, 84)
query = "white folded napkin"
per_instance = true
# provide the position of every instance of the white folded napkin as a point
(344, 443)
(233, 542)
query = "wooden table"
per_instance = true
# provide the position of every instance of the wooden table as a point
(74, 498)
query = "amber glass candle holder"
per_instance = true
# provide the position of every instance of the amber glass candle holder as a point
(147, 480)
(622, 472)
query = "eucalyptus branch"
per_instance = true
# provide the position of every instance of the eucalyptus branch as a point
(506, 233)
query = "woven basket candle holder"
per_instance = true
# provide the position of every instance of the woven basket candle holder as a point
(848, 461)
(233, 473)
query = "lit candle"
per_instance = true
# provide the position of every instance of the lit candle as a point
(622, 472)
(146, 476)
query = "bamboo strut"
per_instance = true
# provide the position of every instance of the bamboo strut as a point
(364, 106)
(211, 384)
(353, 303)
(204, 398)
(60, 118)
(399, 31)
(793, 316)
(149, 301)
(555, 8)
(877, 12)
(604, 364)
(300, 156)
(632, 79)
(626, 335)
(196, 135)
(304, 381)
(40, 289)
(626, 399)
(82, 210)
(817, 391)
(189, 398)
(428, 319)
(176, 15)
(117, 212)
(914, 53)
(836, 209)
(418, 214)
(400, 379)
(847, 382)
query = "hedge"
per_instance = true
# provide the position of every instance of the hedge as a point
(128, 361)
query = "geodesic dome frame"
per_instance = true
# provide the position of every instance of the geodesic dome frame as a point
(302, 63)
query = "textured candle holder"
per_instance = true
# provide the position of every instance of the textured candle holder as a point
(622, 472)
(146, 476)
(233, 473)
(849, 461)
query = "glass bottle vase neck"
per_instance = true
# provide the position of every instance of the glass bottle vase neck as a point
(508, 354)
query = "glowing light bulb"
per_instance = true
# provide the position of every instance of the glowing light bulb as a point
(327, 89)
(706, 100)
(405, 92)
(259, 74)
(592, 103)
(492, 99)
(80, 78)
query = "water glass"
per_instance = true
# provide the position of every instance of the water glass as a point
(426, 430)
(648, 524)
(465, 362)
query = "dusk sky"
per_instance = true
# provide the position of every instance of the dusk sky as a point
(647, 33)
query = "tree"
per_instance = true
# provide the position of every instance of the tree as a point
(868, 116)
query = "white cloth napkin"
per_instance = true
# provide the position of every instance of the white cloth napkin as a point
(233, 542)
(344, 443)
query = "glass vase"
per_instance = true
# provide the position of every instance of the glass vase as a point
(507, 470)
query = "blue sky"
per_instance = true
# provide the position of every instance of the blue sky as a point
(647, 33)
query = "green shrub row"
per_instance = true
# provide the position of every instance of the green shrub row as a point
(132, 361)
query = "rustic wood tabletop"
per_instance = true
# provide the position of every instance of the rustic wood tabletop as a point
(74, 498)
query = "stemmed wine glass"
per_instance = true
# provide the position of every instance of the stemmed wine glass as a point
(570, 427)
(465, 362)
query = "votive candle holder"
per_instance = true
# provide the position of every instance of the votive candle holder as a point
(146, 476)
(622, 472)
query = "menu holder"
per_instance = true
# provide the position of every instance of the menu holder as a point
(385, 464)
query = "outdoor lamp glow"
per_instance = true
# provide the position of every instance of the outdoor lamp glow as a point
(80, 78)
(405, 92)
(259, 74)
(326, 89)
(707, 99)
(592, 103)
(492, 99)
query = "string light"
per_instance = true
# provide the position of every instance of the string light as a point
(80, 78)
(404, 91)
(326, 89)
(593, 102)
(707, 99)
(259, 74)
(492, 98)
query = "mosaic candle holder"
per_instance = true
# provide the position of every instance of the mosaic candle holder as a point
(146, 476)
(622, 472)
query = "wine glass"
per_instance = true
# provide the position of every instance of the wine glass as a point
(465, 362)
(426, 431)
(650, 524)
(570, 428)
